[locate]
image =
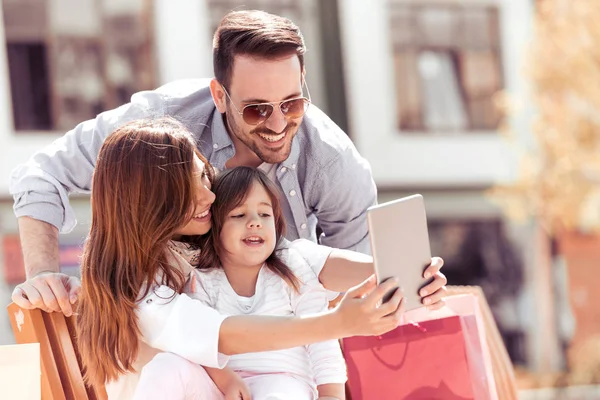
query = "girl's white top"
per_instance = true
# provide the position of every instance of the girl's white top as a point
(315, 364)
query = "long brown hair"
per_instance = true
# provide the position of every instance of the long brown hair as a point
(143, 190)
(231, 188)
(254, 33)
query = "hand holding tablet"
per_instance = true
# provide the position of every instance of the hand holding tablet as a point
(400, 245)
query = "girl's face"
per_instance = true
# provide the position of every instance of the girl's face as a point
(200, 223)
(248, 234)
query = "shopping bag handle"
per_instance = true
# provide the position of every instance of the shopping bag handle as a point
(403, 359)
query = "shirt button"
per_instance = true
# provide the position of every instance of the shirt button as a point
(283, 169)
(293, 166)
(303, 226)
(292, 192)
(215, 145)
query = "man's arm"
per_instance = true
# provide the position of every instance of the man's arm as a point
(39, 243)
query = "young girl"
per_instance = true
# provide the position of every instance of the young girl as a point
(151, 186)
(244, 271)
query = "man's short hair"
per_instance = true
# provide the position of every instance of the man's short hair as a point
(254, 33)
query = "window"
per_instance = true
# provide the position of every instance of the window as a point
(30, 85)
(446, 61)
(71, 59)
(291, 9)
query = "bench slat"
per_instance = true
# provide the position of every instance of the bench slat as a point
(61, 363)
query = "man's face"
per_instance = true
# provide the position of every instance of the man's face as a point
(265, 81)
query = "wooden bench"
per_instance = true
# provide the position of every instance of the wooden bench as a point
(60, 361)
(61, 364)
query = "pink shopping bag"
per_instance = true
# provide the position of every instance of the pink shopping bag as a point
(441, 355)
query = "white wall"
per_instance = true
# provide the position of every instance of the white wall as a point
(183, 40)
(411, 159)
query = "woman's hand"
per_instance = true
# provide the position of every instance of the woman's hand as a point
(362, 313)
(433, 293)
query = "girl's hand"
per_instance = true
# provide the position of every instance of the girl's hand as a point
(236, 389)
(229, 383)
(361, 312)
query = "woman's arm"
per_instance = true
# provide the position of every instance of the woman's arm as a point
(345, 268)
(340, 269)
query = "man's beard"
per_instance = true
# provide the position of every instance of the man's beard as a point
(265, 154)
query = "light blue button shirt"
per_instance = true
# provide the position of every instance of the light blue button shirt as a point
(325, 181)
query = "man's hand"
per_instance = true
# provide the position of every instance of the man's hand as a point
(50, 291)
(432, 294)
(45, 287)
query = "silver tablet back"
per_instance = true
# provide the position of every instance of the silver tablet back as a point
(400, 244)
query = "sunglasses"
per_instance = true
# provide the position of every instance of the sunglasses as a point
(255, 114)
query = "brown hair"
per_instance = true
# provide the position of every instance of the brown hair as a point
(142, 191)
(254, 33)
(231, 188)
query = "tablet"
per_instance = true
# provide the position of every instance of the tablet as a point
(400, 245)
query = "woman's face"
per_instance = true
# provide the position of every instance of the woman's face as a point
(200, 223)
(248, 234)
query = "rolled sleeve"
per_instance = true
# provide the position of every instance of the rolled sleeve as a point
(41, 186)
(178, 324)
(45, 206)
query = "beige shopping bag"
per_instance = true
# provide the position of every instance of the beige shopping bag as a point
(20, 372)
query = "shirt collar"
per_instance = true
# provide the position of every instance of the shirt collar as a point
(220, 136)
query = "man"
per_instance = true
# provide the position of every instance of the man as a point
(255, 112)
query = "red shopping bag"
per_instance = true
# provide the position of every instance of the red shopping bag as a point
(435, 357)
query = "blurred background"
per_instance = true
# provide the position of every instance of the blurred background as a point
(489, 108)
